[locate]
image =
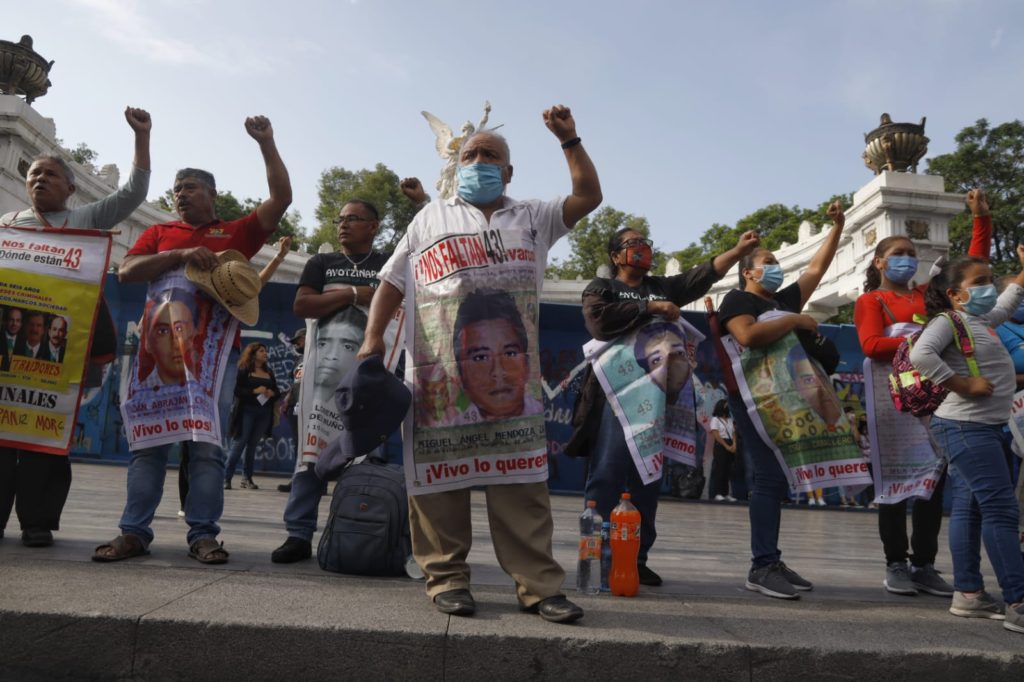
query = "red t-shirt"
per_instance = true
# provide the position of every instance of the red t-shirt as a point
(245, 235)
(871, 319)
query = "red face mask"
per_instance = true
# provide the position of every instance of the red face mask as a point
(640, 256)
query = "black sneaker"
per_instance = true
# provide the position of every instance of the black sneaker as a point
(647, 576)
(795, 579)
(293, 549)
(285, 487)
(769, 580)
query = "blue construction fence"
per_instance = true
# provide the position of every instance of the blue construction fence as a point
(99, 432)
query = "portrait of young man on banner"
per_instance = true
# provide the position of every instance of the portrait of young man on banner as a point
(478, 410)
(175, 378)
(647, 377)
(795, 409)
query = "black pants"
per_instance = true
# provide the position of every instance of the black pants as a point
(926, 520)
(721, 471)
(35, 485)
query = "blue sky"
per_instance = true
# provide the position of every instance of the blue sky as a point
(694, 113)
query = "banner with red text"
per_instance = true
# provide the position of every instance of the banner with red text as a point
(797, 413)
(647, 377)
(903, 462)
(473, 367)
(51, 281)
(175, 379)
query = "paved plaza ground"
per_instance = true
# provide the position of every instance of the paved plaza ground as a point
(164, 616)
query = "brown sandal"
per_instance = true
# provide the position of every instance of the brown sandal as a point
(124, 547)
(208, 551)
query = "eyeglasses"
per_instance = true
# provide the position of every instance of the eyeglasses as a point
(637, 241)
(351, 219)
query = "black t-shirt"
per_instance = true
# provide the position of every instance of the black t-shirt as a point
(612, 307)
(738, 302)
(326, 269)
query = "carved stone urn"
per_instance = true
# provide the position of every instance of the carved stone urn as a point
(895, 146)
(23, 71)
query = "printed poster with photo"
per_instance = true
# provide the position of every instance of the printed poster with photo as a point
(647, 377)
(175, 378)
(51, 281)
(903, 460)
(331, 347)
(474, 370)
(795, 410)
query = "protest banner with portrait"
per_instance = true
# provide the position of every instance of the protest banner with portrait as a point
(331, 347)
(796, 412)
(903, 462)
(473, 363)
(51, 281)
(175, 378)
(647, 377)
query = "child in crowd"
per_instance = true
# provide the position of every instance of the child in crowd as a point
(968, 427)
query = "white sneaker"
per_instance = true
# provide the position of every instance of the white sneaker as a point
(719, 498)
(821, 502)
(730, 498)
(181, 513)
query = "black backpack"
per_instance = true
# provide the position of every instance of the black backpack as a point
(368, 529)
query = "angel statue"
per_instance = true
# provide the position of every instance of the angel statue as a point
(448, 146)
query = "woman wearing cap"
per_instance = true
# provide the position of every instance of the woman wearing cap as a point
(256, 391)
(613, 307)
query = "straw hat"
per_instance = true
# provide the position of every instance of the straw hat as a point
(234, 283)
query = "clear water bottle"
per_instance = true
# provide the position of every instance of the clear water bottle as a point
(606, 555)
(587, 579)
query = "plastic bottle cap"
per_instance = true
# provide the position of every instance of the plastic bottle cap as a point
(626, 496)
(591, 503)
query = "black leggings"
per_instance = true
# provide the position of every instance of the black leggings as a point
(926, 520)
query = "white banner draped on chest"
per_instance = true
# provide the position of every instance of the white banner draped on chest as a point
(903, 461)
(473, 365)
(647, 377)
(794, 409)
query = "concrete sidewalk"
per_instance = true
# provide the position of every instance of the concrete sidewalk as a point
(166, 617)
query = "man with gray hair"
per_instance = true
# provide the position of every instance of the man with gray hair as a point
(40, 482)
(454, 246)
(195, 239)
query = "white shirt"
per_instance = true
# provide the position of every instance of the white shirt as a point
(455, 215)
(723, 426)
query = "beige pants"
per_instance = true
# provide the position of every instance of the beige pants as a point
(521, 527)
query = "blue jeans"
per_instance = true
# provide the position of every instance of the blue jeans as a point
(611, 472)
(770, 488)
(203, 505)
(255, 421)
(984, 506)
(300, 512)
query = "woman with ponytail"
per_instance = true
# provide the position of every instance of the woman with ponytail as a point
(890, 309)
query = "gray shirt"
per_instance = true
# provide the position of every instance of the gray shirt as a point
(936, 356)
(101, 215)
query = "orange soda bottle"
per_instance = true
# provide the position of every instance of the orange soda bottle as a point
(624, 580)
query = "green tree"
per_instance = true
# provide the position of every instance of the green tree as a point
(589, 243)
(991, 158)
(228, 207)
(776, 223)
(378, 186)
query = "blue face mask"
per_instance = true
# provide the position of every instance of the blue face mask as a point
(771, 277)
(480, 183)
(900, 269)
(982, 300)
